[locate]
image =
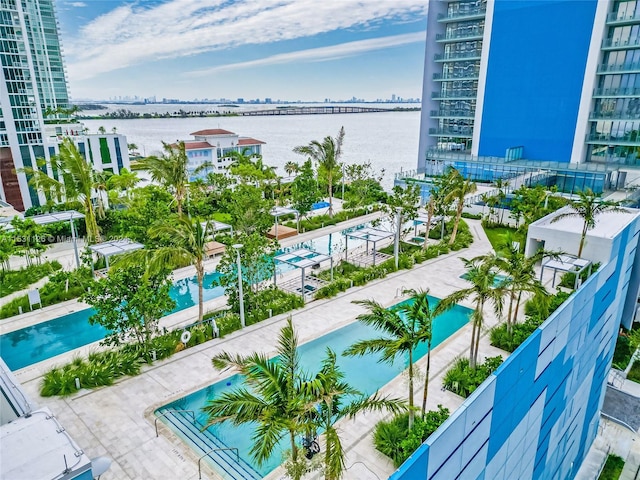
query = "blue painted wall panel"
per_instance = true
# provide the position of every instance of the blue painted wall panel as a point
(543, 45)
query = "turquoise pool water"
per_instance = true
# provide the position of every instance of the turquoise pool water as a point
(363, 373)
(39, 342)
(30, 345)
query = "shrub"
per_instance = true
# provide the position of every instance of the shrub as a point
(622, 353)
(612, 468)
(463, 380)
(634, 372)
(568, 280)
(472, 216)
(15, 280)
(395, 440)
(60, 287)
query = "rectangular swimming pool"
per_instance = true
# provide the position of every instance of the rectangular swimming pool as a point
(363, 373)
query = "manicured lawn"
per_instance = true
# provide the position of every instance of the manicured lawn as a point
(612, 468)
(634, 372)
(497, 236)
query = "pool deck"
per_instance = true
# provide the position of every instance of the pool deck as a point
(117, 421)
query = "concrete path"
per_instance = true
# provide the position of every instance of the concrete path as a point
(117, 421)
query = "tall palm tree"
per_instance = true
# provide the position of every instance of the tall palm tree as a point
(521, 275)
(170, 171)
(188, 238)
(430, 210)
(330, 399)
(403, 330)
(588, 206)
(485, 288)
(273, 399)
(460, 188)
(123, 181)
(76, 181)
(326, 154)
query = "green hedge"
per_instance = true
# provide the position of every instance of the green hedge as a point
(396, 441)
(568, 280)
(612, 468)
(634, 372)
(15, 280)
(320, 221)
(54, 291)
(461, 379)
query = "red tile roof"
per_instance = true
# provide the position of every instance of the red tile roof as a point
(250, 141)
(212, 131)
(197, 145)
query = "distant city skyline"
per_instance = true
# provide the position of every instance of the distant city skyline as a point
(205, 49)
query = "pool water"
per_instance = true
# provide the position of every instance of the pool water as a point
(497, 281)
(311, 354)
(30, 345)
(39, 342)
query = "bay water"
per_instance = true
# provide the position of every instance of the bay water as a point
(389, 140)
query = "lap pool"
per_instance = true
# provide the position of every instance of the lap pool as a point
(363, 373)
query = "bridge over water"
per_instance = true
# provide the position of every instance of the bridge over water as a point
(323, 110)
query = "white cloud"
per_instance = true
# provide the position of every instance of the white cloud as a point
(319, 54)
(77, 4)
(134, 34)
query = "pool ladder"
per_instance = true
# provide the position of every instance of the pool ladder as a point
(401, 291)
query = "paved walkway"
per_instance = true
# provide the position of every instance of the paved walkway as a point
(117, 421)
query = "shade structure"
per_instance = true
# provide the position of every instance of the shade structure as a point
(216, 226)
(55, 217)
(422, 219)
(368, 234)
(567, 264)
(303, 259)
(278, 212)
(114, 247)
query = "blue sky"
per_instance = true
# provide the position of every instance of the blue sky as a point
(283, 49)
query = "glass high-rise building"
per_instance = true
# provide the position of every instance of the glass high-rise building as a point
(33, 85)
(551, 80)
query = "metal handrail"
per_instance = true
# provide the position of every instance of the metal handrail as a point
(215, 450)
(172, 411)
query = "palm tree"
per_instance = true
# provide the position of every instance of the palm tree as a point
(430, 210)
(188, 239)
(76, 181)
(273, 399)
(7, 248)
(588, 206)
(521, 275)
(170, 171)
(333, 399)
(125, 180)
(326, 155)
(291, 168)
(403, 331)
(485, 288)
(460, 188)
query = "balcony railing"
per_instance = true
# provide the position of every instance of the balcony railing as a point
(466, 132)
(617, 17)
(451, 113)
(451, 77)
(614, 116)
(606, 138)
(474, 33)
(472, 55)
(470, 12)
(453, 94)
(626, 67)
(618, 44)
(617, 92)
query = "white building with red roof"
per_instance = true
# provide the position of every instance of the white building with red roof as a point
(214, 146)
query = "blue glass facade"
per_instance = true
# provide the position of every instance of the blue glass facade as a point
(537, 58)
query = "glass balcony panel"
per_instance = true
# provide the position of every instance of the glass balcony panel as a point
(617, 92)
(618, 44)
(470, 55)
(466, 132)
(463, 34)
(621, 68)
(623, 17)
(461, 11)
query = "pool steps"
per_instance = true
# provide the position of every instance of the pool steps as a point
(205, 441)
